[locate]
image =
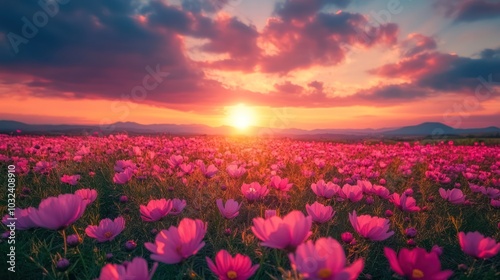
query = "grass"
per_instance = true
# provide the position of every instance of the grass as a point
(38, 250)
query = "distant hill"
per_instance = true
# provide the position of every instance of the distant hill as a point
(436, 128)
(424, 129)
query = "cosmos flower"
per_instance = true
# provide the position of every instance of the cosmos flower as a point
(107, 229)
(137, 269)
(286, 233)
(373, 228)
(88, 195)
(319, 212)
(178, 243)
(254, 191)
(227, 267)
(455, 196)
(155, 209)
(476, 245)
(57, 213)
(416, 264)
(324, 259)
(230, 209)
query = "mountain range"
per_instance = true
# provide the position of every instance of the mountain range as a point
(423, 129)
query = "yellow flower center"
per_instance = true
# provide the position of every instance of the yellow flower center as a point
(417, 273)
(231, 274)
(108, 234)
(324, 273)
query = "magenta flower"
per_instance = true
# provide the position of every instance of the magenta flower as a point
(88, 195)
(324, 259)
(57, 213)
(70, 179)
(373, 228)
(404, 202)
(177, 206)
(281, 184)
(326, 190)
(175, 160)
(254, 191)
(454, 196)
(209, 171)
(286, 233)
(155, 209)
(22, 218)
(347, 237)
(416, 264)
(476, 245)
(178, 243)
(319, 212)
(123, 177)
(235, 172)
(228, 268)
(230, 209)
(381, 191)
(137, 269)
(353, 193)
(107, 229)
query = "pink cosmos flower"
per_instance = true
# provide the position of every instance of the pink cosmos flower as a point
(177, 206)
(324, 259)
(366, 186)
(107, 229)
(22, 216)
(281, 184)
(286, 233)
(209, 171)
(228, 268)
(234, 171)
(381, 191)
(175, 160)
(88, 195)
(454, 196)
(373, 228)
(178, 243)
(57, 213)
(495, 203)
(123, 177)
(416, 264)
(319, 212)
(230, 209)
(476, 245)
(353, 193)
(404, 202)
(137, 269)
(254, 191)
(155, 209)
(326, 190)
(70, 179)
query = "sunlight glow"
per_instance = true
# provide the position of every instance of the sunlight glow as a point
(241, 116)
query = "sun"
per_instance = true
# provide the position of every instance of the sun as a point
(241, 116)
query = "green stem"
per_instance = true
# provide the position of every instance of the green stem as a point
(63, 233)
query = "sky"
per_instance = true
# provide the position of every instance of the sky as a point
(284, 64)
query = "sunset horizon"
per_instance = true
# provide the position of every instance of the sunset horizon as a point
(310, 64)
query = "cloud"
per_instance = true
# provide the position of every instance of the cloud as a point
(417, 43)
(470, 10)
(301, 9)
(444, 72)
(320, 40)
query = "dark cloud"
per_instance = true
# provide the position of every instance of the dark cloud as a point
(490, 53)
(444, 72)
(470, 10)
(417, 43)
(301, 9)
(320, 40)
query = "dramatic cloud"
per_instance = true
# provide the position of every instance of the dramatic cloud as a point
(417, 43)
(320, 40)
(301, 9)
(445, 72)
(470, 10)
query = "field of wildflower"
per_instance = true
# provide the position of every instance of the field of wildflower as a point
(158, 207)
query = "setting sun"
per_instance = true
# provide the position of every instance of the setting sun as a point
(241, 116)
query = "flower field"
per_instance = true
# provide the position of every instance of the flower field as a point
(157, 207)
